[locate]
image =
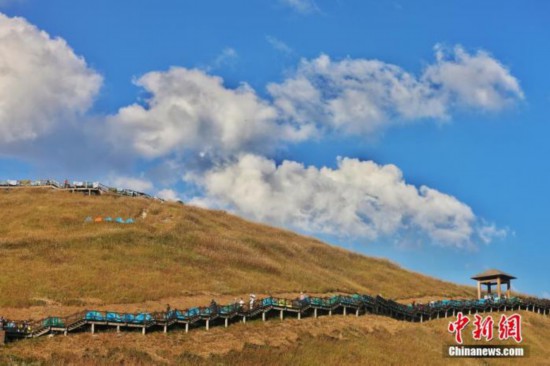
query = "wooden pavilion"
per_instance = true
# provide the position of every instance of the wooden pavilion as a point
(493, 277)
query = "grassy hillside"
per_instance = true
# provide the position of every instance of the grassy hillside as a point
(50, 256)
(54, 263)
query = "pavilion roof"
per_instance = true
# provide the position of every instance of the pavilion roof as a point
(493, 273)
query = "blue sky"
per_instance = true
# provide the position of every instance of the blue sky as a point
(162, 108)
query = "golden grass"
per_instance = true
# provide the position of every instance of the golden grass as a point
(50, 255)
(54, 263)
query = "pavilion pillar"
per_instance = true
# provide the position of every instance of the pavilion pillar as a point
(489, 288)
(498, 287)
(315, 312)
(186, 327)
(478, 290)
(508, 292)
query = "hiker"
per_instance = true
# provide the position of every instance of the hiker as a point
(252, 299)
(303, 298)
(168, 308)
(241, 303)
(213, 306)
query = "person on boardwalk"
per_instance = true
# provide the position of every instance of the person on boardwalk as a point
(303, 298)
(213, 306)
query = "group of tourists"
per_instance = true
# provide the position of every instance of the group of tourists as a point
(20, 327)
(241, 303)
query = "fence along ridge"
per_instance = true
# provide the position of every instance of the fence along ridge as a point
(74, 186)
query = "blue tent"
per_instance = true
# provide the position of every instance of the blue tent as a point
(114, 317)
(94, 315)
(143, 318)
(130, 221)
(120, 220)
(108, 219)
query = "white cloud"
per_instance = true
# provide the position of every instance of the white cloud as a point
(360, 96)
(42, 81)
(136, 184)
(168, 195)
(489, 232)
(279, 45)
(228, 56)
(472, 80)
(354, 96)
(191, 110)
(358, 198)
(301, 6)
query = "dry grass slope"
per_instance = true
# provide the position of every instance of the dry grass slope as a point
(50, 255)
(54, 261)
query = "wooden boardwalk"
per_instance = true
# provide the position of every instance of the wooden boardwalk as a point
(266, 308)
